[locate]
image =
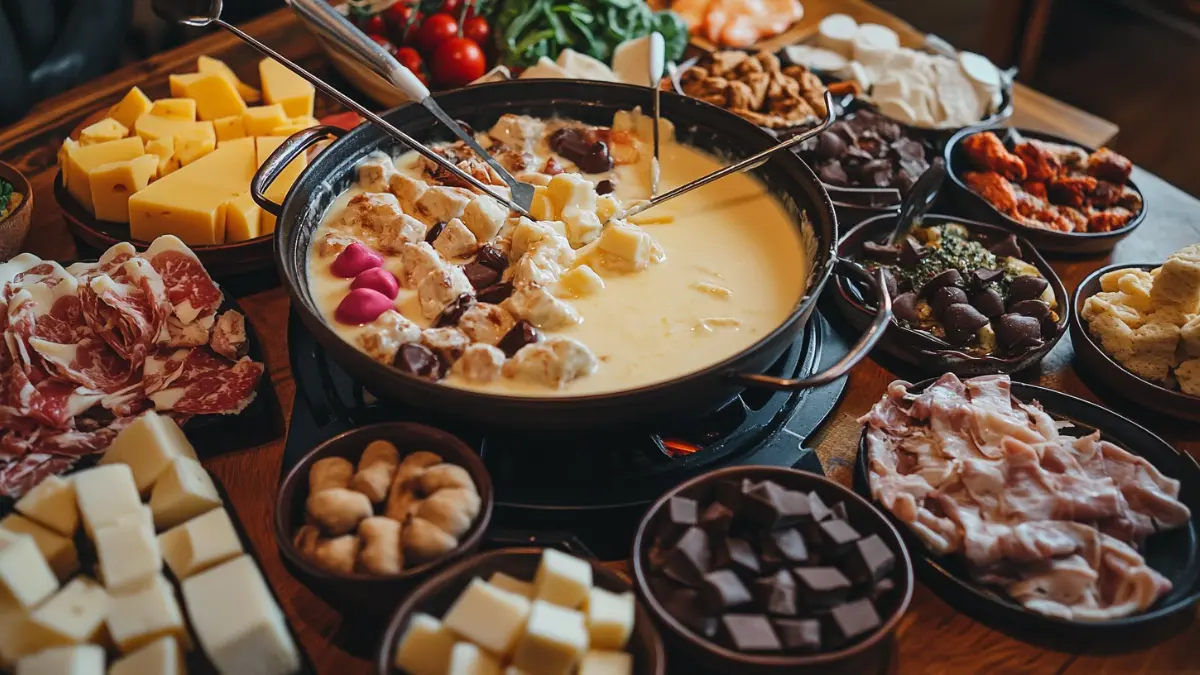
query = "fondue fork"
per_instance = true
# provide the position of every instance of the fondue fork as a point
(751, 162)
(657, 60)
(337, 28)
(204, 12)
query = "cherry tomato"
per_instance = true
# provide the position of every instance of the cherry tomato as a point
(451, 7)
(477, 29)
(436, 30)
(457, 62)
(398, 14)
(385, 43)
(409, 58)
(375, 26)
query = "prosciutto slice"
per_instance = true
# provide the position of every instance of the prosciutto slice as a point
(1054, 520)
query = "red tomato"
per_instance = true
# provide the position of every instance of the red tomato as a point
(457, 62)
(375, 26)
(436, 30)
(398, 14)
(385, 43)
(409, 58)
(451, 7)
(477, 29)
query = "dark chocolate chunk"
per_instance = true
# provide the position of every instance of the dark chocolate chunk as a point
(524, 333)
(904, 306)
(837, 536)
(570, 142)
(496, 293)
(771, 505)
(1009, 246)
(481, 276)
(854, 619)
(716, 519)
(869, 560)
(684, 605)
(492, 257)
(838, 511)
(417, 359)
(738, 554)
(776, 594)
(681, 513)
(787, 546)
(1015, 332)
(946, 296)
(983, 277)
(730, 491)
(658, 553)
(821, 586)
(833, 173)
(880, 252)
(911, 252)
(817, 507)
(596, 160)
(989, 302)
(1035, 308)
(889, 282)
(605, 187)
(908, 148)
(802, 635)
(722, 590)
(433, 233)
(454, 311)
(882, 588)
(961, 322)
(749, 633)
(830, 146)
(689, 559)
(950, 277)
(1026, 287)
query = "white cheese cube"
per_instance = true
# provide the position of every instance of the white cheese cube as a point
(128, 553)
(24, 573)
(200, 543)
(104, 494)
(571, 190)
(583, 227)
(140, 615)
(237, 621)
(74, 615)
(488, 616)
(183, 491)
(580, 282)
(554, 641)
(562, 579)
(606, 663)
(161, 657)
(425, 647)
(59, 551)
(484, 217)
(72, 660)
(467, 659)
(512, 584)
(630, 245)
(148, 446)
(609, 618)
(52, 503)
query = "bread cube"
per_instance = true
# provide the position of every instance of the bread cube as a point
(582, 226)
(1136, 285)
(1178, 282)
(555, 640)
(408, 190)
(52, 503)
(1188, 376)
(424, 648)
(562, 579)
(489, 617)
(609, 618)
(1189, 339)
(439, 204)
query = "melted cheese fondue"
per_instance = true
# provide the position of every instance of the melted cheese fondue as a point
(735, 266)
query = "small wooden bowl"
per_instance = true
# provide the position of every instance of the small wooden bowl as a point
(864, 655)
(366, 594)
(1097, 363)
(435, 596)
(921, 349)
(15, 226)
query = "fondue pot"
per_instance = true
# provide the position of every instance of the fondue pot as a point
(697, 124)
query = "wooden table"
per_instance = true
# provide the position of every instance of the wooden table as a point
(932, 637)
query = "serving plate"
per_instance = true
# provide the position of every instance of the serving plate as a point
(921, 349)
(1097, 363)
(1065, 244)
(15, 226)
(1174, 554)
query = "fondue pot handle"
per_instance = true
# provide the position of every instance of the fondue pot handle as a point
(883, 315)
(289, 150)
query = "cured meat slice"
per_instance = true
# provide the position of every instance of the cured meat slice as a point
(90, 363)
(229, 336)
(194, 334)
(188, 287)
(126, 309)
(207, 385)
(20, 476)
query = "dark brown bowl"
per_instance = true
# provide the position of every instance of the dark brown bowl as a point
(366, 594)
(15, 226)
(865, 655)
(1113, 375)
(921, 349)
(435, 596)
(1063, 244)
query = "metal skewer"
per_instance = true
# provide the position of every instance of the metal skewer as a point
(745, 165)
(204, 12)
(657, 61)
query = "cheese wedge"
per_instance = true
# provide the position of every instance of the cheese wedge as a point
(103, 131)
(59, 551)
(112, 185)
(259, 121)
(52, 503)
(286, 88)
(175, 108)
(243, 219)
(134, 105)
(148, 446)
(81, 159)
(74, 615)
(207, 64)
(215, 96)
(229, 128)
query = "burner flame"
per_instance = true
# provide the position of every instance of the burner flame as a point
(678, 448)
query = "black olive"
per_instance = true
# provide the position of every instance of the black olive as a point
(496, 293)
(988, 302)
(950, 277)
(605, 187)
(904, 306)
(1026, 287)
(481, 276)
(1032, 308)
(876, 251)
(1009, 246)
(492, 257)
(1015, 332)
(961, 322)
(946, 296)
(911, 252)
(417, 359)
(433, 233)
(524, 333)
(454, 311)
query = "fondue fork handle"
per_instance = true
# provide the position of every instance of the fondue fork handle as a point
(745, 165)
(883, 316)
(373, 118)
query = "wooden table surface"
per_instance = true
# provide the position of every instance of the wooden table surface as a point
(932, 637)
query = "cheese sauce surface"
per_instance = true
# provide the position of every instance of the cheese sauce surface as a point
(735, 267)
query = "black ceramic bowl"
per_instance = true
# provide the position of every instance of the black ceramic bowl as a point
(865, 655)
(1064, 244)
(435, 596)
(1174, 554)
(1116, 377)
(366, 594)
(930, 353)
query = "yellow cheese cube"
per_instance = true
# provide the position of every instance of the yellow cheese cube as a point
(112, 185)
(148, 446)
(542, 208)
(200, 543)
(237, 621)
(562, 579)
(175, 108)
(511, 584)
(243, 219)
(243, 145)
(163, 150)
(62, 156)
(207, 64)
(215, 96)
(82, 159)
(284, 87)
(103, 131)
(128, 554)
(105, 493)
(179, 83)
(194, 143)
(628, 244)
(606, 207)
(489, 617)
(183, 491)
(72, 616)
(571, 189)
(24, 573)
(606, 663)
(609, 619)
(161, 657)
(468, 659)
(288, 129)
(150, 127)
(52, 503)
(59, 551)
(425, 647)
(580, 281)
(260, 120)
(190, 203)
(129, 109)
(70, 660)
(229, 128)
(554, 640)
(145, 613)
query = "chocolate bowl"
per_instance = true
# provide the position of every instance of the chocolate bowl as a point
(1097, 363)
(868, 654)
(923, 349)
(1063, 244)
(370, 595)
(435, 596)
(697, 123)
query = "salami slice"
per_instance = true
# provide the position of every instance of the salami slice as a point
(20, 476)
(127, 309)
(210, 385)
(90, 363)
(189, 289)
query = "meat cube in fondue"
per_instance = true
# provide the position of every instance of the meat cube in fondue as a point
(407, 189)
(440, 203)
(394, 234)
(375, 172)
(484, 217)
(553, 362)
(455, 240)
(441, 287)
(486, 323)
(480, 363)
(417, 260)
(538, 307)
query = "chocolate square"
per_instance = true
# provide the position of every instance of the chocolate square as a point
(821, 586)
(853, 620)
(737, 554)
(680, 514)
(868, 560)
(731, 490)
(769, 505)
(749, 633)
(684, 605)
(689, 559)
(786, 546)
(838, 512)
(802, 635)
(722, 590)
(716, 519)
(837, 536)
(776, 594)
